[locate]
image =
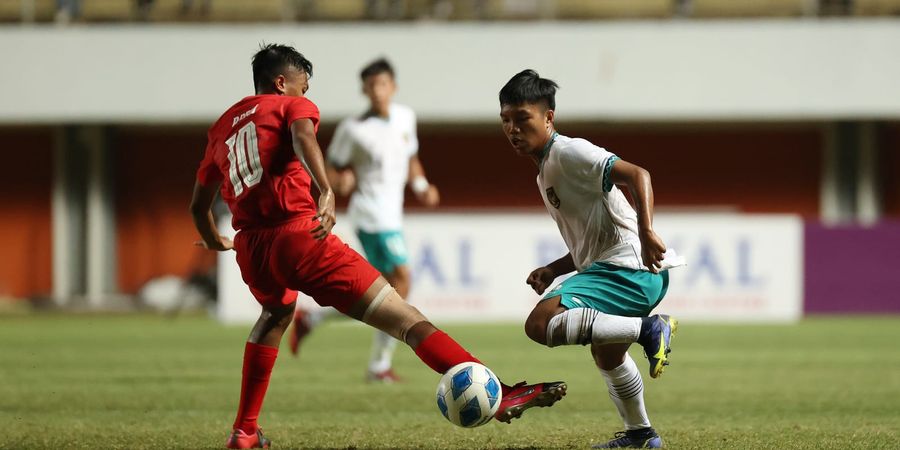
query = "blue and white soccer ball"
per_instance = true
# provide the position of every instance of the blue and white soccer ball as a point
(468, 395)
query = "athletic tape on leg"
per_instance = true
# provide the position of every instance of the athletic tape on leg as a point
(376, 302)
(571, 327)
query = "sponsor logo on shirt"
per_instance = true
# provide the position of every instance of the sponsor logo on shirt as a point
(244, 115)
(552, 198)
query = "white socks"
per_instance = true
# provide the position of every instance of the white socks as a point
(626, 389)
(584, 326)
(383, 346)
(609, 329)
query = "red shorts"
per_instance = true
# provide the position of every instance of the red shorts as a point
(276, 262)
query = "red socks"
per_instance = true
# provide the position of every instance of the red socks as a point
(258, 362)
(441, 352)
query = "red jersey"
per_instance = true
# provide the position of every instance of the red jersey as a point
(249, 149)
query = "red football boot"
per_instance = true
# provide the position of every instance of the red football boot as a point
(239, 439)
(522, 396)
(302, 327)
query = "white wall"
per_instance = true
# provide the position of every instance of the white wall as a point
(673, 70)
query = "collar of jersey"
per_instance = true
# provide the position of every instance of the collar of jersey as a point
(546, 148)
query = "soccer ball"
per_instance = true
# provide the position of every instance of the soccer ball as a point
(468, 395)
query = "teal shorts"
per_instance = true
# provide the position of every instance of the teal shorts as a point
(613, 290)
(385, 250)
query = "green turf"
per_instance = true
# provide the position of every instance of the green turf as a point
(152, 382)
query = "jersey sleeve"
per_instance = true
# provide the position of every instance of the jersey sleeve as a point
(340, 150)
(589, 163)
(301, 108)
(209, 172)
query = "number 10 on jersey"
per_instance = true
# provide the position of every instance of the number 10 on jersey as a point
(243, 154)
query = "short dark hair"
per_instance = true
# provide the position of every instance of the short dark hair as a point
(376, 67)
(528, 87)
(272, 59)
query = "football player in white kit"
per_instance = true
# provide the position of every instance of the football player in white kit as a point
(621, 263)
(372, 158)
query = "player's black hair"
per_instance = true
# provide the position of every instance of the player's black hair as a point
(528, 87)
(272, 59)
(376, 67)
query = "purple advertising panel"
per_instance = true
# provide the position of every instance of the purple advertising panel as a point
(852, 269)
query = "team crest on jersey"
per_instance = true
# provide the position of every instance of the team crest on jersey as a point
(552, 198)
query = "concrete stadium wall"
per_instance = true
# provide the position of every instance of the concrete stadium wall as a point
(673, 70)
(25, 243)
(693, 167)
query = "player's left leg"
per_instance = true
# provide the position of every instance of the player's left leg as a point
(626, 390)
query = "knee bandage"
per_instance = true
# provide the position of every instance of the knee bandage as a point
(390, 313)
(571, 327)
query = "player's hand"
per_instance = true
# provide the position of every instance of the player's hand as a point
(325, 216)
(430, 197)
(652, 250)
(223, 245)
(540, 279)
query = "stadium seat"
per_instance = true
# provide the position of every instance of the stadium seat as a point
(750, 8)
(246, 11)
(876, 7)
(108, 10)
(17, 10)
(525, 10)
(337, 10)
(175, 10)
(613, 9)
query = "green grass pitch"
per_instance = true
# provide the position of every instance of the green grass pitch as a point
(152, 382)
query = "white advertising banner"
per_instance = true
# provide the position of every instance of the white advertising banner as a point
(472, 267)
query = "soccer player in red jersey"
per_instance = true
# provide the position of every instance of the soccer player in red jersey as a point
(262, 155)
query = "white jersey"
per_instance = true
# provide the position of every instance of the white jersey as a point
(378, 151)
(594, 217)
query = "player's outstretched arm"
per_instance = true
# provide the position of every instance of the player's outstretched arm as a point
(201, 202)
(541, 278)
(426, 193)
(306, 147)
(637, 179)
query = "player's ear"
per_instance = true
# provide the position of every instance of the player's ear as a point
(279, 84)
(548, 116)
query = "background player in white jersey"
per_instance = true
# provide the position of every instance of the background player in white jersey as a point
(371, 158)
(621, 262)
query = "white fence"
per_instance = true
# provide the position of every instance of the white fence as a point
(473, 267)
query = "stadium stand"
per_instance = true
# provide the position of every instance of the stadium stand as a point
(27, 10)
(751, 8)
(163, 11)
(876, 7)
(614, 9)
(108, 10)
(255, 11)
(332, 10)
